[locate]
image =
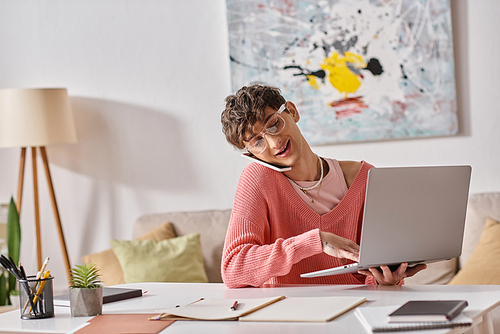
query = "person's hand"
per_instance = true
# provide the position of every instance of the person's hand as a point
(341, 248)
(385, 276)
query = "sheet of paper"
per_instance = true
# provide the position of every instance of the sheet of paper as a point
(306, 309)
(218, 309)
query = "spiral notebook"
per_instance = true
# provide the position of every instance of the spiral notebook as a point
(374, 319)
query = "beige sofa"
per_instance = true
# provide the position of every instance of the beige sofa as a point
(212, 227)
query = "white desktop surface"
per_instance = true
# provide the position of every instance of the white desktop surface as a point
(481, 299)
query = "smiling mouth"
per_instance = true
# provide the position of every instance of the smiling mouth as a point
(284, 148)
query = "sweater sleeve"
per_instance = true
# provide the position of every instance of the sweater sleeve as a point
(250, 258)
(247, 261)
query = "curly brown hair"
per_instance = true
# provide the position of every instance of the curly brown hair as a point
(245, 108)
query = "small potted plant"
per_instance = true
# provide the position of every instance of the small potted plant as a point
(85, 291)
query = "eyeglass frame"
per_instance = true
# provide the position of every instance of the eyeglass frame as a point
(265, 130)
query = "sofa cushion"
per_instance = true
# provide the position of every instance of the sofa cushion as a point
(171, 260)
(108, 264)
(483, 266)
(109, 267)
(480, 208)
(211, 225)
(161, 232)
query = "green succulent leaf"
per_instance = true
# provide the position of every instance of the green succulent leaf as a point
(3, 289)
(85, 276)
(13, 238)
(13, 232)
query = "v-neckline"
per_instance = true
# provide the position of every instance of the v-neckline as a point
(341, 208)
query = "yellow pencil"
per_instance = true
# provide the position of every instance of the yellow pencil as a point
(40, 288)
(38, 275)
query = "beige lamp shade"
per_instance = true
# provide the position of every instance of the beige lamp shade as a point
(35, 117)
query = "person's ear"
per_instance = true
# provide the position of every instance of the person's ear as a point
(293, 110)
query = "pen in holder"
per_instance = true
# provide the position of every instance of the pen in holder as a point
(36, 296)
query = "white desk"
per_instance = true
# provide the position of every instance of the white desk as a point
(482, 299)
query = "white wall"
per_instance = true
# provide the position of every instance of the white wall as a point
(147, 80)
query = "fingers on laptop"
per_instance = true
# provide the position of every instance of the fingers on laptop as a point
(385, 276)
(339, 247)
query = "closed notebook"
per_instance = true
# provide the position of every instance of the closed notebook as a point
(375, 319)
(428, 310)
(109, 295)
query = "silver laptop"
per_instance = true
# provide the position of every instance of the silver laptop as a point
(411, 214)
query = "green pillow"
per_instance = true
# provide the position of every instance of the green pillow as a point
(171, 260)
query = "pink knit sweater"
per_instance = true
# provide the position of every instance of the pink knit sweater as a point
(273, 236)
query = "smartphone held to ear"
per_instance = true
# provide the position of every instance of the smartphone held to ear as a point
(257, 160)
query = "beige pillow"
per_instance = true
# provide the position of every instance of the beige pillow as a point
(108, 264)
(171, 260)
(162, 232)
(483, 266)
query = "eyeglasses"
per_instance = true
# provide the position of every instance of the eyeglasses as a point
(274, 125)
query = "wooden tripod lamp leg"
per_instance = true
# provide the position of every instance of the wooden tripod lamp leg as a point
(37, 209)
(55, 209)
(20, 181)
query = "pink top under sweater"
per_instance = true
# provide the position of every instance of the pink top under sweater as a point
(275, 244)
(328, 194)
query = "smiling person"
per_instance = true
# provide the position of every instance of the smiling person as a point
(284, 224)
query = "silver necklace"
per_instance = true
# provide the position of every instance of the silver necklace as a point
(304, 189)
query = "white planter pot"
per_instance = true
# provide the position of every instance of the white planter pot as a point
(85, 302)
(14, 299)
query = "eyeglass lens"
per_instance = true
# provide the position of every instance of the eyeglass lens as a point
(273, 127)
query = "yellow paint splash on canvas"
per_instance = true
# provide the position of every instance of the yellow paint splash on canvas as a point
(339, 75)
(312, 81)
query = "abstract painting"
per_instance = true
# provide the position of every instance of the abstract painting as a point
(357, 70)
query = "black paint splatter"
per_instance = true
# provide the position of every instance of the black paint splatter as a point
(374, 66)
(403, 71)
(319, 74)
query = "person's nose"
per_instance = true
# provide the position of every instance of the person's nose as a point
(274, 141)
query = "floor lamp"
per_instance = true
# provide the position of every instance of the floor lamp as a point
(36, 118)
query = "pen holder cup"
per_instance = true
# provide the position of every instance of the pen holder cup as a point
(36, 297)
